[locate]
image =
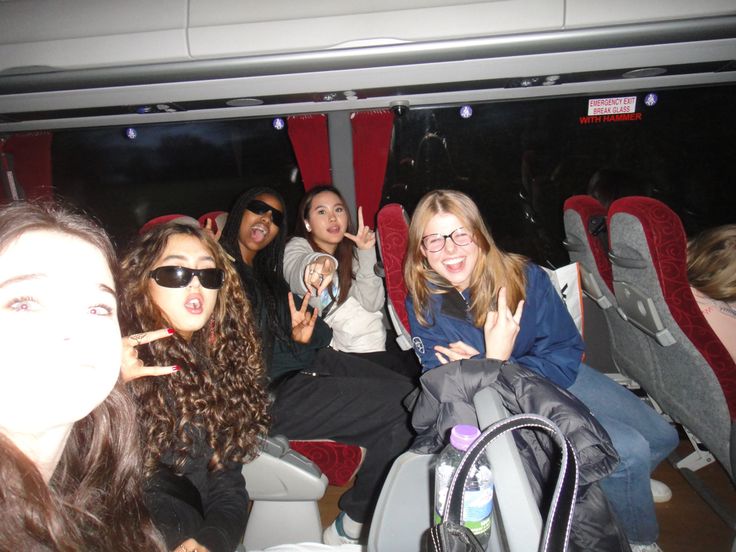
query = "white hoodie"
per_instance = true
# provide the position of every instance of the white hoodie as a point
(357, 324)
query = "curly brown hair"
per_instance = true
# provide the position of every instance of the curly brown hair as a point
(221, 387)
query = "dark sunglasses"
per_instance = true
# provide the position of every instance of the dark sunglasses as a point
(261, 207)
(179, 276)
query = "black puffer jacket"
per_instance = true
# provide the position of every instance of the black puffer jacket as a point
(446, 399)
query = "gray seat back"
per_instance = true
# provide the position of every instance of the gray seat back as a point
(404, 509)
(285, 488)
(648, 252)
(627, 347)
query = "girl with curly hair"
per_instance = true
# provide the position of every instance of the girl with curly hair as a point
(70, 461)
(203, 420)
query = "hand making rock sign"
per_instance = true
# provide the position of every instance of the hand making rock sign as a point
(131, 367)
(364, 238)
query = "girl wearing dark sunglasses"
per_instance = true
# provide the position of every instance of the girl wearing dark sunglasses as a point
(201, 422)
(319, 393)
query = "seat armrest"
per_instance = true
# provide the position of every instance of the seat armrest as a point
(280, 473)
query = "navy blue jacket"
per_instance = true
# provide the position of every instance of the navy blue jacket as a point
(548, 341)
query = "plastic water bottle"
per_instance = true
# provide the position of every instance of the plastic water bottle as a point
(478, 491)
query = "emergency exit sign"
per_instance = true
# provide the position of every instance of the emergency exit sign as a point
(612, 106)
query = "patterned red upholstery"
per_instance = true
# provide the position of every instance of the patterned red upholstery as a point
(338, 461)
(668, 247)
(588, 207)
(394, 233)
(163, 219)
(218, 219)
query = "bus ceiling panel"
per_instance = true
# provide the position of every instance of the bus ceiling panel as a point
(32, 79)
(227, 28)
(78, 119)
(586, 13)
(357, 84)
(277, 100)
(39, 35)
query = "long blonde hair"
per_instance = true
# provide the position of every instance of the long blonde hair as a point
(711, 262)
(493, 270)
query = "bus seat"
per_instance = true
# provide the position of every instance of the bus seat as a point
(392, 233)
(284, 487)
(218, 219)
(337, 461)
(404, 509)
(163, 219)
(625, 347)
(695, 377)
(580, 210)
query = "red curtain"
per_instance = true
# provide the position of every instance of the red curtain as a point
(31, 162)
(371, 143)
(309, 138)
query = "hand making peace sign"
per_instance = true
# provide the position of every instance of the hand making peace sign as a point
(302, 321)
(131, 367)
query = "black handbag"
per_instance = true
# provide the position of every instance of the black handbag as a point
(452, 536)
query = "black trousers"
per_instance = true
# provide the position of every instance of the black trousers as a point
(354, 401)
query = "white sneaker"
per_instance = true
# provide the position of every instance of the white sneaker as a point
(335, 534)
(660, 491)
(654, 547)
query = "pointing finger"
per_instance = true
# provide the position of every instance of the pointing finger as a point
(324, 283)
(130, 373)
(360, 219)
(502, 305)
(491, 319)
(147, 337)
(519, 310)
(158, 370)
(325, 265)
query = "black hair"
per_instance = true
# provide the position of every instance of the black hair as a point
(264, 282)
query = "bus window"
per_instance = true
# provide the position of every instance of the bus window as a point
(520, 160)
(127, 176)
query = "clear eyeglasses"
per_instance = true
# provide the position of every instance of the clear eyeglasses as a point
(434, 243)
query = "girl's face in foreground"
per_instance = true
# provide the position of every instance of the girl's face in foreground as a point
(187, 308)
(453, 262)
(59, 334)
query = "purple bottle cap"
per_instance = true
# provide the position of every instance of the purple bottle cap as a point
(462, 436)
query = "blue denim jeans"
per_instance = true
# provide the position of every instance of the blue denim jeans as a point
(642, 439)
